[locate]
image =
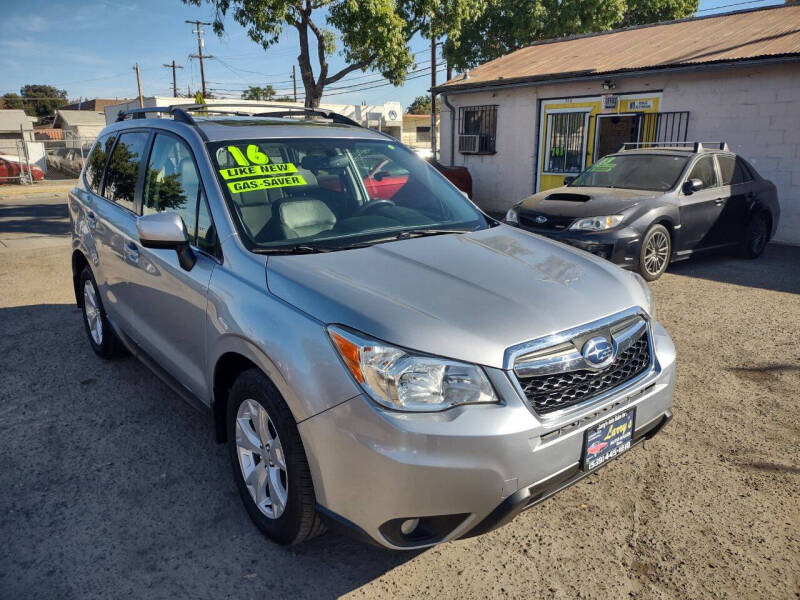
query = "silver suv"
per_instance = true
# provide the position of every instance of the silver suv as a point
(378, 354)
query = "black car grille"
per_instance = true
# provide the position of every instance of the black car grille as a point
(548, 393)
(551, 224)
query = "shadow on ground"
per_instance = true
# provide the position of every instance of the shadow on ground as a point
(45, 219)
(777, 269)
(111, 482)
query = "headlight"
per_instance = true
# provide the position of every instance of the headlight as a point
(597, 223)
(401, 380)
(651, 305)
(512, 216)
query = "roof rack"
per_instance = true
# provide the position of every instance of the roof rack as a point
(181, 112)
(686, 146)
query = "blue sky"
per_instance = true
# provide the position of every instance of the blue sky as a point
(89, 48)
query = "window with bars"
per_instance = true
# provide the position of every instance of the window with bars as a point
(566, 136)
(477, 129)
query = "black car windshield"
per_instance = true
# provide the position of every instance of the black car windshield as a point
(325, 194)
(655, 172)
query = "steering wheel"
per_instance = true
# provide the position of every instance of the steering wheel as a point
(372, 204)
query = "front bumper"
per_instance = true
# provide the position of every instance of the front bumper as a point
(467, 470)
(620, 246)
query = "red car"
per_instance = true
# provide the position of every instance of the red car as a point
(596, 448)
(10, 170)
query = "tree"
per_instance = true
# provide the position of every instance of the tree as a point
(369, 35)
(11, 101)
(259, 93)
(284, 99)
(421, 106)
(507, 25)
(45, 99)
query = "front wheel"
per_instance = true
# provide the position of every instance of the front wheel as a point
(269, 461)
(655, 252)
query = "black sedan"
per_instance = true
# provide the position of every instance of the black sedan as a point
(644, 208)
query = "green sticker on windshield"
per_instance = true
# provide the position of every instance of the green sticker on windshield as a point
(265, 183)
(603, 166)
(256, 170)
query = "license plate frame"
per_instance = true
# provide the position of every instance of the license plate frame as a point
(608, 439)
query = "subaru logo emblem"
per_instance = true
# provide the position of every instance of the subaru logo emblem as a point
(541, 219)
(598, 352)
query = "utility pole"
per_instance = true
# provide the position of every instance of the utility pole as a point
(173, 66)
(139, 84)
(433, 95)
(200, 56)
(294, 83)
(449, 71)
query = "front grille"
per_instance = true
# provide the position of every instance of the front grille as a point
(548, 393)
(551, 224)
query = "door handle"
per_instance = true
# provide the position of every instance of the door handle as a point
(132, 252)
(720, 201)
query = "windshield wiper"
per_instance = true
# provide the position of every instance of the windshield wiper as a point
(293, 249)
(399, 235)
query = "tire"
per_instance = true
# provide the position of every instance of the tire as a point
(263, 438)
(103, 339)
(655, 252)
(756, 236)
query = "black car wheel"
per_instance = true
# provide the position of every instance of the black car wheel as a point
(655, 253)
(756, 236)
(269, 462)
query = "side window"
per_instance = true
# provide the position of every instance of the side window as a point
(727, 165)
(97, 163)
(123, 168)
(704, 170)
(172, 183)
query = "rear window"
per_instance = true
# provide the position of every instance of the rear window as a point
(633, 172)
(123, 168)
(733, 170)
(97, 163)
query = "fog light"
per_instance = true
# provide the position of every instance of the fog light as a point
(408, 526)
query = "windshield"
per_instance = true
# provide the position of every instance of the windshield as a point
(326, 193)
(655, 172)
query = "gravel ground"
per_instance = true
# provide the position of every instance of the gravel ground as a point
(112, 486)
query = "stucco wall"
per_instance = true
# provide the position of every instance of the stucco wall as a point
(755, 109)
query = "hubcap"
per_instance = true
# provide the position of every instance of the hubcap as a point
(656, 252)
(91, 309)
(261, 459)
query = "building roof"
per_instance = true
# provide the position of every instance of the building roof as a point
(93, 104)
(767, 33)
(11, 119)
(71, 118)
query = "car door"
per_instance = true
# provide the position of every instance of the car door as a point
(700, 210)
(111, 219)
(738, 187)
(168, 302)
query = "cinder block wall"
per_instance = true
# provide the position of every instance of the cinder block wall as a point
(755, 109)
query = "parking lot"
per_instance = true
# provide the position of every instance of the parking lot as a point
(113, 487)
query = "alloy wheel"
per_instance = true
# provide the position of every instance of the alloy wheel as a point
(656, 252)
(91, 310)
(261, 459)
(758, 236)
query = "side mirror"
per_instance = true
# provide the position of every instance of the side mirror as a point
(166, 231)
(569, 179)
(690, 186)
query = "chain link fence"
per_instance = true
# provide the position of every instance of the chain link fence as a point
(25, 161)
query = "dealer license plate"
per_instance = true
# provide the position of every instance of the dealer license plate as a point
(607, 440)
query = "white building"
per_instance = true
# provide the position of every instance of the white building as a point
(85, 124)
(523, 122)
(386, 117)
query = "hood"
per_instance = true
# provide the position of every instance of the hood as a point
(584, 201)
(467, 297)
